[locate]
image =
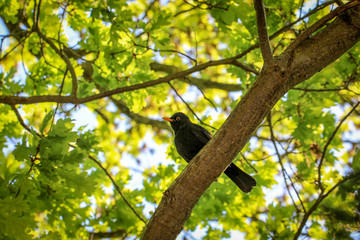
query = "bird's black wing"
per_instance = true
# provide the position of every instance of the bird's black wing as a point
(201, 133)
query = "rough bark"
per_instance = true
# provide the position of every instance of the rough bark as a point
(289, 69)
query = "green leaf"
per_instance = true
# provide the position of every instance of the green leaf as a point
(14, 222)
(79, 183)
(46, 120)
(22, 151)
(356, 160)
(161, 19)
(62, 129)
(228, 16)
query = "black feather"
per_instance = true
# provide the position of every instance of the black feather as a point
(190, 138)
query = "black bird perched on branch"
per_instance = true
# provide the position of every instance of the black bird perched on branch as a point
(190, 138)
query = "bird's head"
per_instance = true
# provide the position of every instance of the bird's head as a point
(178, 120)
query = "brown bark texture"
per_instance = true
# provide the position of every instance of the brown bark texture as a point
(298, 63)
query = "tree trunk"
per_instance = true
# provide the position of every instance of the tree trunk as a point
(298, 63)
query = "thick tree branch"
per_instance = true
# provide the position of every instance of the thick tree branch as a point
(263, 34)
(290, 68)
(75, 100)
(201, 83)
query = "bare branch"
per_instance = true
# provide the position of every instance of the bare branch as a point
(330, 140)
(285, 28)
(117, 188)
(66, 60)
(18, 44)
(199, 82)
(285, 173)
(321, 23)
(158, 50)
(246, 67)
(116, 234)
(263, 34)
(339, 2)
(188, 106)
(321, 197)
(247, 162)
(319, 89)
(138, 118)
(73, 99)
(21, 121)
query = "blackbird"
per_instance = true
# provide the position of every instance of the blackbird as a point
(190, 138)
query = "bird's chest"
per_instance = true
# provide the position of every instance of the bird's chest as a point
(187, 144)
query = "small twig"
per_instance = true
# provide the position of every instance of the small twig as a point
(117, 187)
(102, 115)
(115, 234)
(301, 7)
(21, 121)
(321, 197)
(330, 140)
(243, 156)
(211, 102)
(34, 14)
(37, 14)
(319, 89)
(158, 50)
(196, 47)
(187, 105)
(245, 67)
(339, 2)
(11, 50)
(285, 173)
(60, 92)
(321, 23)
(60, 25)
(263, 34)
(285, 28)
(27, 128)
(66, 60)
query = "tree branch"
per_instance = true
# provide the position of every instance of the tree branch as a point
(201, 83)
(66, 60)
(321, 23)
(263, 34)
(285, 173)
(330, 140)
(117, 188)
(291, 68)
(190, 109)
(21, 121)
(73, 99)
(321, 197)
(115, 234)
(138, 118)
(246, 67)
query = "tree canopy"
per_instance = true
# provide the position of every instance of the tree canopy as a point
(86, 155)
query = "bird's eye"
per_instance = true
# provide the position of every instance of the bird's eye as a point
(177, 118)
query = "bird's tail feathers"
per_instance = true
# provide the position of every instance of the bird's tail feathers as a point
(243, 180)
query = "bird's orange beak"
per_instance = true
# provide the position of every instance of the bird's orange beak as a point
(168, 119)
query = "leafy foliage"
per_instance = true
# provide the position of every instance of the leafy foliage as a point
(60, 180)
